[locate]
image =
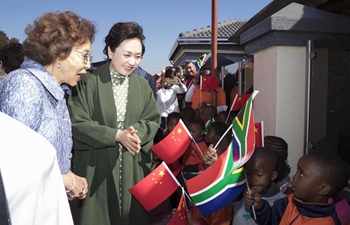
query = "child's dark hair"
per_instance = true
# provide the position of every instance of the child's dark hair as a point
(280, 147)
(174, 115)
(220, 128)
(188, 113)
(332, 169)
(170, 73)
(265, 153)
(198, 121)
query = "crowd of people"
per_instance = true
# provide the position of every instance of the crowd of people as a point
(98, 125)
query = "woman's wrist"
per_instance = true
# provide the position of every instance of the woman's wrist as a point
(69, 190)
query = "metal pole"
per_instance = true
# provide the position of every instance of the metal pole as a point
(310, 55)
(239, 78)
(214, 40)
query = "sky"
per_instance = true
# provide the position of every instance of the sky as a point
(162, 20)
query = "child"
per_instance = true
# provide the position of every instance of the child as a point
(187, 114)
(192, 159)
(280, 147)
(172, 120)
(216, 131)
(319, 176)
(208, 113)
(221, 116)
(261, 171)
(167, 95)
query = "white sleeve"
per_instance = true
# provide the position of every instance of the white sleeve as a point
(179, 89)
(221, 108)
(189, 93)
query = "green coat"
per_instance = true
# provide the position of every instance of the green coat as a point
(96, 154)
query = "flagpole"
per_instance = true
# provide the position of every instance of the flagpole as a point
(253, 208)
(228, 129)
(262, 134)
(233, 103)
(255, 92)
(189, 198)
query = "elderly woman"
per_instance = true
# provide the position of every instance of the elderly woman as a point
(115, 118)
(57, 51)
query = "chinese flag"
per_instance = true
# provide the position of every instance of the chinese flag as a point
(174, 144)
(240, 102)
(259, 134)
(155, 187)
(175, 167)
(180, 215)
(209, 83)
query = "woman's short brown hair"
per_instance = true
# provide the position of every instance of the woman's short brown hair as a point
(55, 34)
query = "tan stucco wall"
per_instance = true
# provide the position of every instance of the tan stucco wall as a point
(280, 77)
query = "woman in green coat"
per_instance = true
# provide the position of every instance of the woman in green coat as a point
(115, 118)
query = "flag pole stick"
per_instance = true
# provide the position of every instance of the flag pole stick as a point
(262, 134)
(233, 103)
(253, 96)
(253, 208)
(189, 198)
(228, 129)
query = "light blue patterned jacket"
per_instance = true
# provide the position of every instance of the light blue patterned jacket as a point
(32, 96)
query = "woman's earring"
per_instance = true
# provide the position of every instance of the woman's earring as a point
(58, 65)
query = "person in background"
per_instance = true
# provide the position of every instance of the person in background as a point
(230, 82)
(32, 180)
(187, 114)
(195, 95)
(221, 117)
(114, 118)
(280, 147)
(261, 171)
(57, 52)
(208, 114)
(319, 176)
(192, 160)
(11, 58)
(150, 79)
(190, 73)
(167, 96)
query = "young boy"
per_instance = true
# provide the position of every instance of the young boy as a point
(261, 171)
(319, 176)
(207, 114)
(216, 131)
(171, 122)
(192, 160)
(187, 114)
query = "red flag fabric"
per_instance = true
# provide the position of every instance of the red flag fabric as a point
(175, 167)
(259, 134)
(155, 187)
(180, 216)
(240, 102)
(174, 144)
(209, 83)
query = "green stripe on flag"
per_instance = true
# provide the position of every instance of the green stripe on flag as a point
(231, 180)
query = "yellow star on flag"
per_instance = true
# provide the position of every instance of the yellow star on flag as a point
(256, 129)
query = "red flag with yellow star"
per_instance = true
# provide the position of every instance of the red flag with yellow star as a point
(180, 215)
(240, 102)
(155, 187)
(174, 144)
(209, 83)
(259, 134)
